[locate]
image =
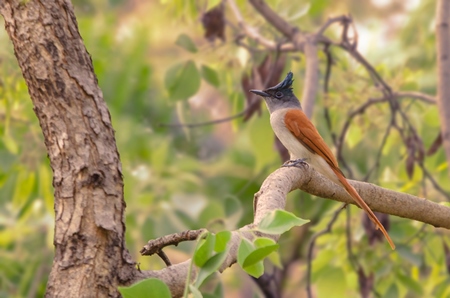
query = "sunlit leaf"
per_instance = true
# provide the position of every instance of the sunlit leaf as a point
(264, 248)
(245, 249)
(211, 266)
(149, 288)
(410, 283)
(279, 221)
(222, 239)
(182, 80)
(204, 250)
(210, 75)
(186, 43)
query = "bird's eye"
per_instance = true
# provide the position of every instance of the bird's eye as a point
(279, 94)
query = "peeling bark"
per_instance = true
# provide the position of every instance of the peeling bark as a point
(90, 255)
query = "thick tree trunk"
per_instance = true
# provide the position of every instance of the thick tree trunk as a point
(90, 258)
(443, 64)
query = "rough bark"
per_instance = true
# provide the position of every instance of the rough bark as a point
(443, 64)
(90, 255)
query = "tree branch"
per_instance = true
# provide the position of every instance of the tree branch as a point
(254, 34)
(156, 245)
(443, 64)
(311, 83)
(274, 19)
(272, 196)
(416, 95)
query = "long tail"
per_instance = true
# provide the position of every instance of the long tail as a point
(352, 191)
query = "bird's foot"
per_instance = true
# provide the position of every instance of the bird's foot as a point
(301, 162)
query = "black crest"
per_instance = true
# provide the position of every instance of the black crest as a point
(286, 84)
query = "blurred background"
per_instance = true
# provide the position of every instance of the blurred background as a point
(155, 67)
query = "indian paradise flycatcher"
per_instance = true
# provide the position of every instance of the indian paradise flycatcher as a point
(297, 133)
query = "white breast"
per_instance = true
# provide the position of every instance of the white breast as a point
(296, 149)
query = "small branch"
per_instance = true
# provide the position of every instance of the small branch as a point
(253, 33)
(164, 257)
(274, 19)
(206, 123)
(156, 245)
(443, 65)
(435, 184)
(311, 82)
(272, 196)
(416, 95)
(353, 114)
(330, 22)
(380, 151)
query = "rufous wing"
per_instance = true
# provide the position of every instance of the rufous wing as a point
(303, 129)
(305, 132)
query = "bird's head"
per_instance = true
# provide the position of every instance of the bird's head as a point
(280, 96)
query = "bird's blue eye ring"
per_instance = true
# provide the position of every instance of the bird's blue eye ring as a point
(279, 94)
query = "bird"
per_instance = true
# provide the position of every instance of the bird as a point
(299, 135)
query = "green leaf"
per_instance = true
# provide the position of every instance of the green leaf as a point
(264, 248)
(263, 241)
(255, 270)
(222, 239)
(233, 205)
(148, 288)
(275, 259)
(410, 283)
(245, 249)
(279, 221)
(204, 250)
(210, 75)
(186, 43)
(182, 80)
(406, 253)
(211, 266)
(392, 291)
(195, 292)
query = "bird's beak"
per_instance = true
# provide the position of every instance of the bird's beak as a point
(260, 93)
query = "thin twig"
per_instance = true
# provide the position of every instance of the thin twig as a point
(435, 184)
(199, 124)
(330, 22)
(164, 257)
(443, 70)
(274, 19)
(354, 113)
(155, 245)
(311, 81)
(253, 33)
(416, 95)
(379, 153)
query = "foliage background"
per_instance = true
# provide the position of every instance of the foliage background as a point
(178, 178)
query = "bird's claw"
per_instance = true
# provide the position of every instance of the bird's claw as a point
(301, 162)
